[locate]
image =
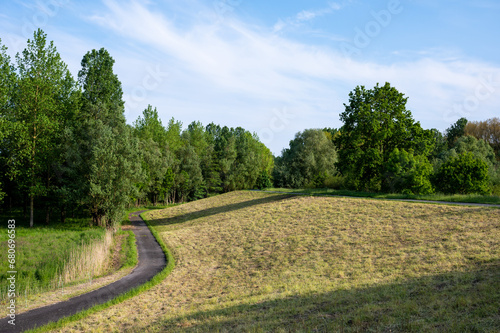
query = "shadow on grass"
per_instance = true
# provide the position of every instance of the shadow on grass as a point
(453, 302)
(219, 210)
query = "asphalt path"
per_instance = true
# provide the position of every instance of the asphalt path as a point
(151, 261)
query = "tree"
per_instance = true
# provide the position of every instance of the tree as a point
(149, 126)
(463, 174)
(190, 184)
(39, 113)
(488, 130)
(308, 161)
(376, 122)
(456, 131)
(440, 145)
(102, 90)
(264, 181)
(7, 83)
(225, 150)
(155, 155)
(106, 152)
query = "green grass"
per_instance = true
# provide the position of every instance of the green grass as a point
(466, 198)
(129, 251)
(42, 252)
(262, 262)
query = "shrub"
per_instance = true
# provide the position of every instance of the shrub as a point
(264, 181)
(463, 174)
(408, 174)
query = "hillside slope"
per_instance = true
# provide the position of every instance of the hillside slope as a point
(250, 261)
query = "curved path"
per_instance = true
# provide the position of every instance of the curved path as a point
(151, 261)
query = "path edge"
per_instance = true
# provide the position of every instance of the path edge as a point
(123, 297)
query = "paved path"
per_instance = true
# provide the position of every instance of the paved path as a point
(151, 261)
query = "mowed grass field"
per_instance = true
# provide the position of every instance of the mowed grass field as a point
(261, 262)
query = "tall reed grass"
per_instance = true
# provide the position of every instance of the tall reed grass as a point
(88, 260)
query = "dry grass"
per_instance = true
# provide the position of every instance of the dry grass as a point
(256, 262)
(91, 259)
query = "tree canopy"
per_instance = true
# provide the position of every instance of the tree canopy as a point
(376, 122)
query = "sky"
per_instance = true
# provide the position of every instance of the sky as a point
(278, 67)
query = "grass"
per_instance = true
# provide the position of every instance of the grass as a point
(48, 256)
(62, 257)
(466, 198)
(260, 262)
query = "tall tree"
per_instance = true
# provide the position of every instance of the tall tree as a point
(7, 84)
(108, 164)
(376, 122)
(40, 111)
(155, 155)
(149, 126)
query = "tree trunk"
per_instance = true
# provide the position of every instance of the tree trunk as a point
(47, 215)
(63, 215)
(25, 208)
(32, 200)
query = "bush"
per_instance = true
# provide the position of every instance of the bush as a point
(463, 174)
(335, 182)
(407, 174)
(264, 181)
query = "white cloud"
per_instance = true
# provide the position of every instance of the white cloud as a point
(236, 74)
(306, 15)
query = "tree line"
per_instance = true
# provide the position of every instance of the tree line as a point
(381, 148)
(65, 144)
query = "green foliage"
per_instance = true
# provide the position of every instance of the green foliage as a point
(155, 155)
(376, 122)
(309, 160)
(107, 154)
(479, 148)
(264, 181)
(408, 174)
(455, 131)
(463, 174)
(440, 145)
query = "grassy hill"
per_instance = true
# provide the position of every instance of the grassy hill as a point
(259, 262)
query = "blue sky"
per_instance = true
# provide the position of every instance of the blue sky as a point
(278, 67)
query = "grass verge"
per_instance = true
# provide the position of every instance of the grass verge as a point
(459, 198)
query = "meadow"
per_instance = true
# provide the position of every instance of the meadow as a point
(259, 262)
